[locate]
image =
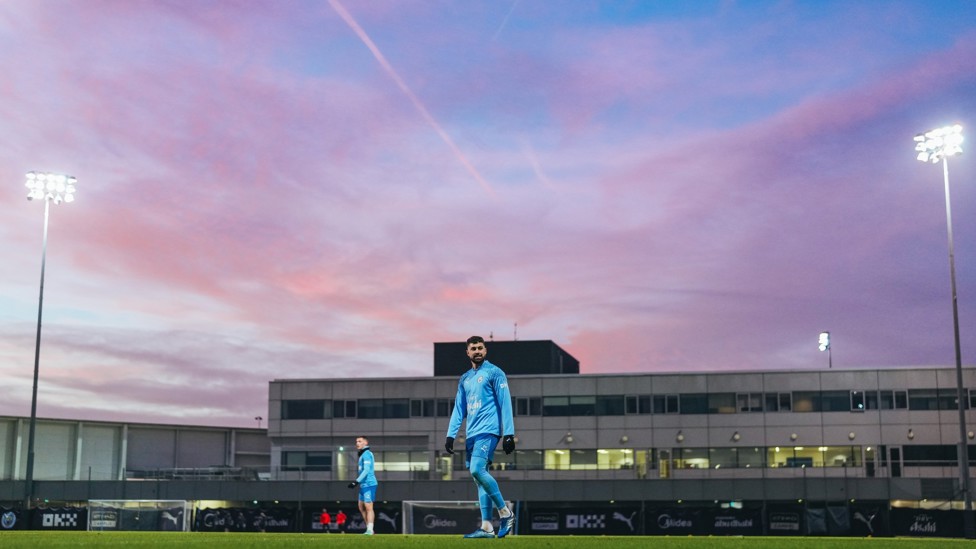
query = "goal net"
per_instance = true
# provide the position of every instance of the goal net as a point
(443, 517)
(139, 514)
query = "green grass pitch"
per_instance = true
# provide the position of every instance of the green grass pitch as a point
(33, 539)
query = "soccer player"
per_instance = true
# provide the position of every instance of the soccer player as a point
(325, 520)
(366, 481)
(484, 400)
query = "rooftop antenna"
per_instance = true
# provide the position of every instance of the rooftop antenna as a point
(491, 336)
(516, 331)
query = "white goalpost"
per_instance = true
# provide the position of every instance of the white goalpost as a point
(443, 517)
(170, 515)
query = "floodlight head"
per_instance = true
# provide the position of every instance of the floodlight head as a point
(940, 143)
(824, 341)
(57, 188)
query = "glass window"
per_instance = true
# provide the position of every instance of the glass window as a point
(815, 456)
(857, 401)
(806, 401)
(751, 402)
(391, 460)
(665, 404)
(615, 458)
(444, 407)
(396, 408)
(785, 402)
(307, 461)
(555, 406)
(582, 405)
(929, 455)
(304, 409)
(371, 408)
(631, 404)
(721, 403)
(871, 400)
(528, 460)
(835, 401)
(644, 404)
(610, 405)
(459, 458)
(344, 408)
(752, 457)
(422, 408)
(318, 461)
(535, 406)
(932, 399)
(557, 460)
(693, 404)
(583, 460)
(719, 458)
(841, 456)
(690, 458)
(772, 402)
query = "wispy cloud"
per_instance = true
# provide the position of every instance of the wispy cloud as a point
(388, 68)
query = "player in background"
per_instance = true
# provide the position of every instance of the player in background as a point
(483, 399)
(325, 520)
(366, 481)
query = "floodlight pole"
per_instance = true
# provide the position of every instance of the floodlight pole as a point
(933, 146)
(968, 523)
(29, 477)
(57, 188)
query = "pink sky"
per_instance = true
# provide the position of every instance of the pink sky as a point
(323, 189)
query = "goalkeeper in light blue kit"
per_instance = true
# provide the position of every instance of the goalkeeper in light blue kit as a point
(484, 400)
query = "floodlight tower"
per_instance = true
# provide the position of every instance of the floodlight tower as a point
(937, 146)
(824, 345)
(57, 188)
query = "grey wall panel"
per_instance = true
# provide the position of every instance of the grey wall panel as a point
(202, 448)
(100, 452)
(151, 448)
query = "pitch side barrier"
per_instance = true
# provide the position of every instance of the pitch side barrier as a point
(854, 519)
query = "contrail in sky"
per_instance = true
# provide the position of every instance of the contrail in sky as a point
(536, 167)
(403, 87)
(505, 20)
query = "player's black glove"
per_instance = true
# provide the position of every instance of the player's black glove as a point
(508, 444)
(354, 484)
(449, 445)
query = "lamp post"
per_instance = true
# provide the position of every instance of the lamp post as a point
(56, 188)
(935, 146)
(824, 345)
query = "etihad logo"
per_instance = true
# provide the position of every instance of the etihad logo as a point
(924, 524)
(733, 522)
